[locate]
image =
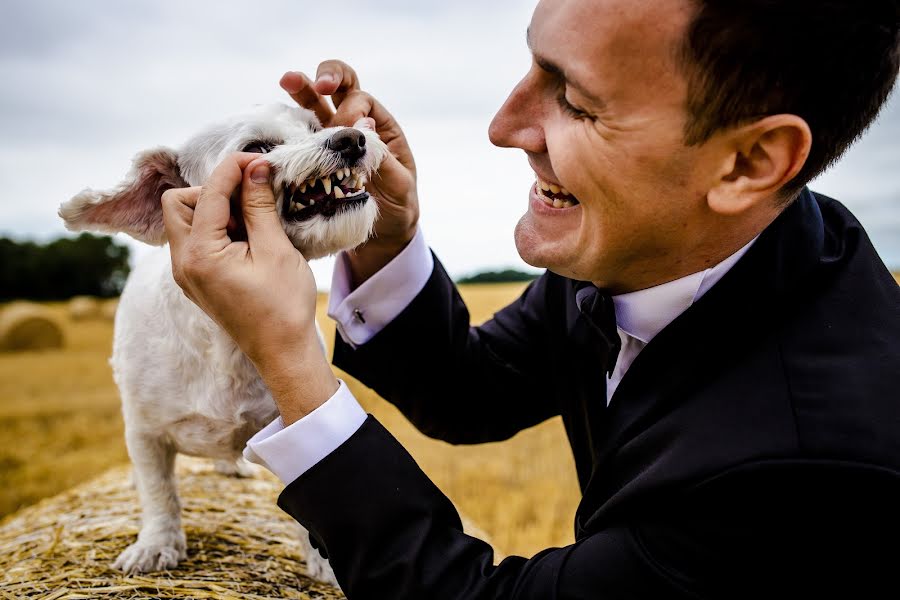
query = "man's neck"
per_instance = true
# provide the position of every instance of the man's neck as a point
(697, 254)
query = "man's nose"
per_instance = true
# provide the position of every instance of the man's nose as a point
(518, 123)
(350, 143)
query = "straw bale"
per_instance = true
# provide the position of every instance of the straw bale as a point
(108, 309)
(28, 326)
(82, 308)
(240, 544)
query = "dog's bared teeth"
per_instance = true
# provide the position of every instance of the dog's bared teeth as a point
(338, 192)
(326, 182)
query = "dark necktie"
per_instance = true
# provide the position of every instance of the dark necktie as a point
(599, 311)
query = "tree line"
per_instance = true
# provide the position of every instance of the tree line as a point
(503, 276)
(86, 265)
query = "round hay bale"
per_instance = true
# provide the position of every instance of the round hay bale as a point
(82, 308)
(28, 326)
(108, 310)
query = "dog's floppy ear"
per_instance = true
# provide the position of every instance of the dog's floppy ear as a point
(134, 206)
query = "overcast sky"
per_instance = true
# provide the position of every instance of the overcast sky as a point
(85, 85)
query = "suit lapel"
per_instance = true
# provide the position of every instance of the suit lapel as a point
(717, 330)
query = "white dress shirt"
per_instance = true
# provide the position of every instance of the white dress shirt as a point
(360, 314)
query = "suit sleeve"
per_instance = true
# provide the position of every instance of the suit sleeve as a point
(459, 383)
(388, 532)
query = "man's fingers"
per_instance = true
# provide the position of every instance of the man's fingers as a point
(178, 214)
(359, 104)
(264, 228)
(356, 105)
(303, 92)
(213, 208)
(336, 78)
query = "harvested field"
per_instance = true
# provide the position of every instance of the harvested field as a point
(84, 307)
(62, 409)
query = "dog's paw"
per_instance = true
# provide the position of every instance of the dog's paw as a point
(159, 553)
(234, 468)
(319, 569)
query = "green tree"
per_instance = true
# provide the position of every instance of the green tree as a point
(86, 265)
(504, 276)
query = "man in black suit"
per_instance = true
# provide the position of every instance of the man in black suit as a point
(723, 345)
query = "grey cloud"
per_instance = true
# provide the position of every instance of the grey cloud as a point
(42, 28)
(88, 83)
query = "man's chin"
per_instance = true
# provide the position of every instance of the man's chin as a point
(533, 247)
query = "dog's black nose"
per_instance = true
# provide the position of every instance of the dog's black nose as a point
(350, 143)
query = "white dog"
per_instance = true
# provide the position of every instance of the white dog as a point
(185, 385)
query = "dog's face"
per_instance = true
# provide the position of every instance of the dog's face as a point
(319, 178)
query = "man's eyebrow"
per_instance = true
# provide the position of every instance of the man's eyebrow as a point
(558, 72)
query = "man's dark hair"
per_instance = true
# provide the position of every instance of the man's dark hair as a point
(831, 62)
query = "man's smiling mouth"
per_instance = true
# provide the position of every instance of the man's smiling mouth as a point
(554, 195)
(324, 195)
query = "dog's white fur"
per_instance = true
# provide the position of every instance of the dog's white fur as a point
(185, 386)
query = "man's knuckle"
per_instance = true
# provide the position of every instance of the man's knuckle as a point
(171, 199)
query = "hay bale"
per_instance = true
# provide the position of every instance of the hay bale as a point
(82, 308)
(28, 326)
(109, 308)
(240, 544)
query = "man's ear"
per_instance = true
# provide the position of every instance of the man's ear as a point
(134, 206)
(759, 160)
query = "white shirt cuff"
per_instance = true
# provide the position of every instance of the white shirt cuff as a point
(291, 451)
(365, 311)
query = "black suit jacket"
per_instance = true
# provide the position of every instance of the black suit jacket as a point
(751, 450)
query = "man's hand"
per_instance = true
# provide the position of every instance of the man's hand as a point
(395, 185)
(261, 291)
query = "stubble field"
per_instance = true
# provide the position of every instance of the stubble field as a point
(60, 425)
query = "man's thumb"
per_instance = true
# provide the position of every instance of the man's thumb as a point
(258, 204)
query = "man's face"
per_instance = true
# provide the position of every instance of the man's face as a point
(601, 113)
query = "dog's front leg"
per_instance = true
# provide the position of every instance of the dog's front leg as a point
(161, 542)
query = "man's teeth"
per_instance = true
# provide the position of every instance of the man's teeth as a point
(555, 189)
(343, 184)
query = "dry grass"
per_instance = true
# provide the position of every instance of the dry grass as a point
(61, 409)
(59, 414)
(240, 545)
